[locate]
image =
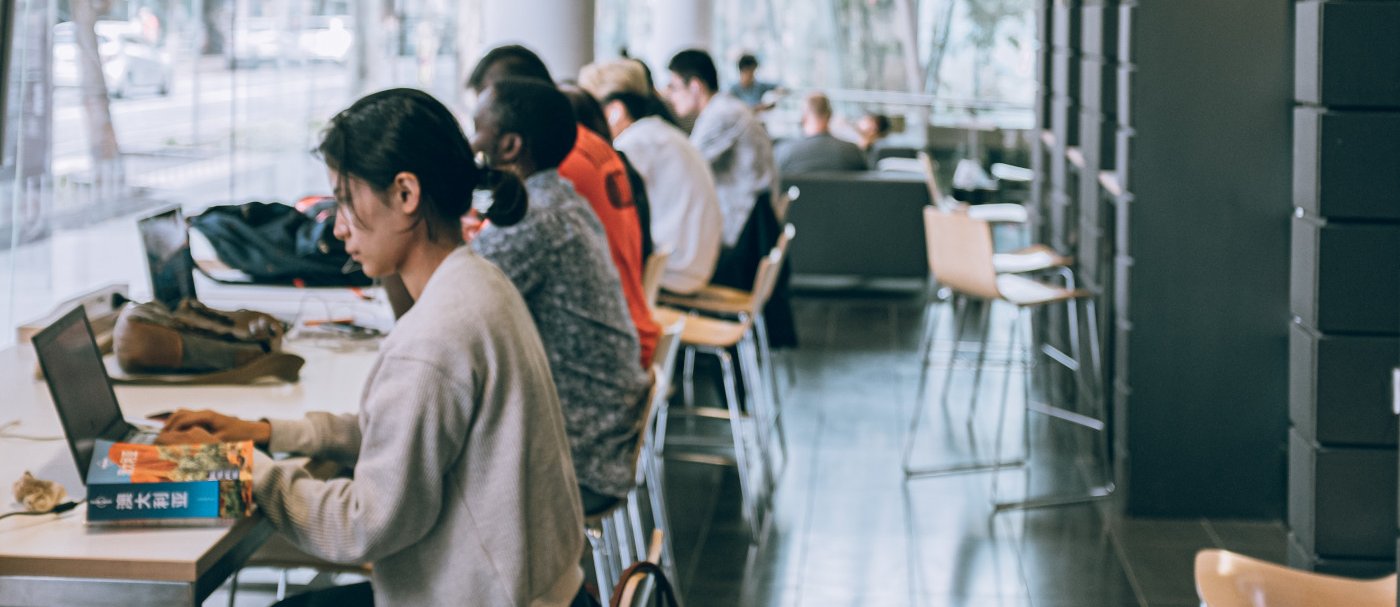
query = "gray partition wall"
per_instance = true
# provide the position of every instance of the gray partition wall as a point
(1345, 287)
(1164, 168)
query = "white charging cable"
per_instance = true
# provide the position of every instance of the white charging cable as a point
(14, 423)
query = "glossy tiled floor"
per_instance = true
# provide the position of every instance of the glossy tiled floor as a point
(848, 530)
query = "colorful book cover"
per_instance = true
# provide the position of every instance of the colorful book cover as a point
(170, 484)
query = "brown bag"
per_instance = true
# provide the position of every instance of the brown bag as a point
(662, 592)
(198, 344)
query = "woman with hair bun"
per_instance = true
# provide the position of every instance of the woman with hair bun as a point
(463, 491)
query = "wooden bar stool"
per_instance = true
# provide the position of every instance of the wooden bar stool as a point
(1226, 579)
(1035, 258)
(962, 246)
(614, 532)
(726, 301)
(717, 337)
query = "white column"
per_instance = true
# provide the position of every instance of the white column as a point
(559, 31)
(678, 25)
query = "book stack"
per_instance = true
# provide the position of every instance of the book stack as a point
(133, 484)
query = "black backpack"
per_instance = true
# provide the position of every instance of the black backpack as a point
(277, 244)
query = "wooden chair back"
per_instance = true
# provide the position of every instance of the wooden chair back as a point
(960, 253)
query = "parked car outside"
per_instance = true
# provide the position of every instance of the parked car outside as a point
(129, 61)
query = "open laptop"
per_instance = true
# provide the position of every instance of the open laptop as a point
(166, 239)
(82, 391)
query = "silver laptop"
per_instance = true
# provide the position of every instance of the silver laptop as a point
(81, 390)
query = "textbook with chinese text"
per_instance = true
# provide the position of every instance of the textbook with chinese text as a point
(170, 484)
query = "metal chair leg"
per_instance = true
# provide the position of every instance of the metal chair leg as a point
(634, 519)
(765, 362)
(978, 464)
(233, 588)
(739, 424)
(655, 475)
(1084, 389)
(985, 326)
(622, 531)
(761, 413)
(765, 356)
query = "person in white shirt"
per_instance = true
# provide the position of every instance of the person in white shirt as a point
(685, 212)
(729, 136)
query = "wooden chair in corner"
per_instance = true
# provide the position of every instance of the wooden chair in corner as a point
(1227, 579)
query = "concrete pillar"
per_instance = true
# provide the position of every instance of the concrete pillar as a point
(560, 31)
(678, 25)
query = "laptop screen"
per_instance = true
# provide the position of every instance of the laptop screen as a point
(167, 243)
(78, 382)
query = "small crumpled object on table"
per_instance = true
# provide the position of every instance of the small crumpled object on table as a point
(38, 495)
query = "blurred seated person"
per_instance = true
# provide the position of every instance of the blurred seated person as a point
(597, 173)
(749, 89)
(740, 155)
(557, 256)
(818, 150)
(590, 116)
(686, 216)
(872, 128)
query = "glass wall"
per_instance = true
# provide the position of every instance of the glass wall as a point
(118, 107)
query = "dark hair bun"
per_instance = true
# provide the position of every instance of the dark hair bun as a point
(508, 199)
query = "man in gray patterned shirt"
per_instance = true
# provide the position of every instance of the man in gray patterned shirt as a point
(558, 258)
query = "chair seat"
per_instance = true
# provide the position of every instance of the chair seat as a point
(712, 298)
(999, 213)
(1029, 259)
(702, 331)
(1023, 291)
(1226, 579)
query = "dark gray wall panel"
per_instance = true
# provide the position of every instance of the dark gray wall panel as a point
(1339, 388)
(1348, 54)
(1209, 237)
(1344, 276)
(1352, 497)
(1299, 558)
(1344, 163)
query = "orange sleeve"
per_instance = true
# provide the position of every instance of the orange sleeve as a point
(600, 177)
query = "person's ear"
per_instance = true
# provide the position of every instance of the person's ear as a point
(614, 111)
(408, 191)
(509, 147)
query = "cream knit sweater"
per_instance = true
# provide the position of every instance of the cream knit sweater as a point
(463, 490)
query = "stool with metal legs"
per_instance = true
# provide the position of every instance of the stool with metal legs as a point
(1088, 389)
(944, 249)
(730, 302)
(965, 244)
(716, 337)
(614, 531)
(650, 473)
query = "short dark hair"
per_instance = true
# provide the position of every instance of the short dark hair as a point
(407, 130)
(515, 61)
(748, 61)
(882, 123)
(695, 63)
(637, 106)
(540, 114)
